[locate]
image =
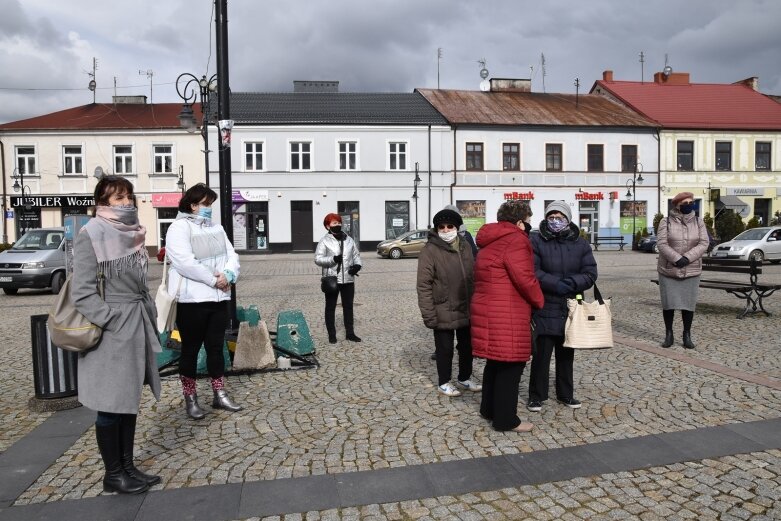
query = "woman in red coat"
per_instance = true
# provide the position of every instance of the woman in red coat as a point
(506, 291)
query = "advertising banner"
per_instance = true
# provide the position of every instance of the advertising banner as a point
(473, 213)
(636, 209)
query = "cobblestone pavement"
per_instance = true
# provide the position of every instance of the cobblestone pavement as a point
(373, 405)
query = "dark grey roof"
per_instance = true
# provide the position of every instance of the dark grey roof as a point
(324, 108)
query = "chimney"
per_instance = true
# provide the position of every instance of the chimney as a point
(672, 78)
(752, 83)
(128, 100)
(607, 76)
(510, 85)
(315, 86)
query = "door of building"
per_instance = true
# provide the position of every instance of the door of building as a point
(301, 225)
(351, 225)
(165, 217)
(257, 226)
(589, 219)
(762, 210)
(396, 218)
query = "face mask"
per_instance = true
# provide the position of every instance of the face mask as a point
(557, 224)
(205, 212)
(336, 229)
(687, 208)
(527, 227)
(448, 237)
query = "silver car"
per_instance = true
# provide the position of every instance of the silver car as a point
(36, 260)
(757, 243)
(407, 244)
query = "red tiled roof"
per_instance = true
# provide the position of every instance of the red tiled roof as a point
(106, 116)
(698, 105)
(531, 108)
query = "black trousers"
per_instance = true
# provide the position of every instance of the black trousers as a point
(443, 343)
(347, 291)
(499, 403)
(538, 379)
(202, 323)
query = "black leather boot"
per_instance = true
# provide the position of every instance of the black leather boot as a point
(116, 479)
(127, 435)
(352, 337)
(668, 338)
(687, 340)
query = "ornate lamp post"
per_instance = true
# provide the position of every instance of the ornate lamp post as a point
(19, 185)
(416, 182)
(631, 185)
(186, 85)
(180, 182)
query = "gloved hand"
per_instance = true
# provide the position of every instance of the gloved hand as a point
(680, 263)
(565, 286)
(337, 259)
(354, 269)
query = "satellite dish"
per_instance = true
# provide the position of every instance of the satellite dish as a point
(99, 172)
(667, 70)
(485, 86)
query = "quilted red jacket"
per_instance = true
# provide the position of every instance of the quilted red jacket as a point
(506, 291)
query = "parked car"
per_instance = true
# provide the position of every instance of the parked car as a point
(648, 244)
(36, 260)
(405, 245)
(757, 243)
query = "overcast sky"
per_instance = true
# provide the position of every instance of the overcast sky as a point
(47, 46)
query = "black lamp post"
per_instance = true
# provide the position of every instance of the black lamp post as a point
(416, 182)
(186, 85)
(20, 186)
(631, 185)
(180, 182)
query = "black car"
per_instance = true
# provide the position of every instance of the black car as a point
(648, 244)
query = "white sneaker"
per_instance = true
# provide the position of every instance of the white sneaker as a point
(448, 389)
(470, 385)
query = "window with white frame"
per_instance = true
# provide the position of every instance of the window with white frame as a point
(300, 155)
(253, 156)
(397, 155)
(25, 160)
(123, 159)
(73, 160)
(348, 155)
(163, 156)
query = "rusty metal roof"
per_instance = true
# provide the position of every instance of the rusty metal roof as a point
(465, 107)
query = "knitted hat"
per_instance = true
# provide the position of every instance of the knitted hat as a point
(559, 206)
(681, 196)
(448, 217)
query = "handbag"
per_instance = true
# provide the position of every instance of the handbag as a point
(165, 303)
(68, 328)
(589, 324)
(330, 284)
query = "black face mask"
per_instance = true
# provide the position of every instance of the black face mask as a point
(527, 226)
(335, 229)
(687, 208)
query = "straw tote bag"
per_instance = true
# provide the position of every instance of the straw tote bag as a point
(165, 303)
(589, 324)
(68, 329)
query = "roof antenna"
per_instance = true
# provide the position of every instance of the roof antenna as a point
(439, 59)
(642, 67)
(92, 84)
(542, 59)
(485, 86)
(149, 74)
(577, 89)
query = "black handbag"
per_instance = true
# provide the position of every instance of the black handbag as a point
(330, 284)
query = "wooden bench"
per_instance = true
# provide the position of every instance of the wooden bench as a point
(617, 240)
(751, 291)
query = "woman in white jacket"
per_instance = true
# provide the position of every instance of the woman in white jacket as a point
(203, 267)
(338, 256)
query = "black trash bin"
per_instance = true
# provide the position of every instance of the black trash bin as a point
(54, 370)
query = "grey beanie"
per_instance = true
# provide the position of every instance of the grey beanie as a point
(559, 206)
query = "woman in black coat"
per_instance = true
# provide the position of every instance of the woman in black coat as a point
(565, 266)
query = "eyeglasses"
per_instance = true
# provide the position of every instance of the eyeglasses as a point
(446, 227)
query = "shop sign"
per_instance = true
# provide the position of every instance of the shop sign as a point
(588, 196)
(170, 200)
(747, 190)
(519, 196)
(248, 195)
(9, 214)
(53, 201)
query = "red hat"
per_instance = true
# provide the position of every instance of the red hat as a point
(681, 196)
(331, 217)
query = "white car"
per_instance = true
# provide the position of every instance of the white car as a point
(757, 243)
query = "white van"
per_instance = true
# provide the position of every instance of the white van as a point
(36, 260)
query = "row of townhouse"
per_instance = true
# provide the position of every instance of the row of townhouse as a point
(387, 162)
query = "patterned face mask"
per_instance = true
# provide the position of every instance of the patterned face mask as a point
(556, 224)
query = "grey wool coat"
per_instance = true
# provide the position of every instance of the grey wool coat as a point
(112, 374)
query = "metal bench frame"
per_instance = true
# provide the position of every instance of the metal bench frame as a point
(610, 239)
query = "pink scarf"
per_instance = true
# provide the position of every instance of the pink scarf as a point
(118, 239)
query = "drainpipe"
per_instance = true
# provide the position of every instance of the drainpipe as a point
(5, 221)
(428, 223)
(658, 173)
(455, 171)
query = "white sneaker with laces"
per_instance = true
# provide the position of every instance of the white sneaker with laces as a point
(470, 385)
(448, 389)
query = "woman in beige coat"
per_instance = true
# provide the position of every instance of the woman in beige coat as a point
(682, 241)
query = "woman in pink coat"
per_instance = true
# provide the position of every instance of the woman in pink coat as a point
(506, 291)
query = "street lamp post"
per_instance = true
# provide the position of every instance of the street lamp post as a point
(416, 182)
(186, 85)
(631, 185)
(180, 184)
(20, 186)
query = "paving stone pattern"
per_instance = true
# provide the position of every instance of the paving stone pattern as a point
(373, 405)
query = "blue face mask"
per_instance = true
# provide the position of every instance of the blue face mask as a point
(205, 212)
(557, 224)
(687, 208)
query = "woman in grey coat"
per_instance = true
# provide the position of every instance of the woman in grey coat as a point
(682, 240)
(110, 250)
